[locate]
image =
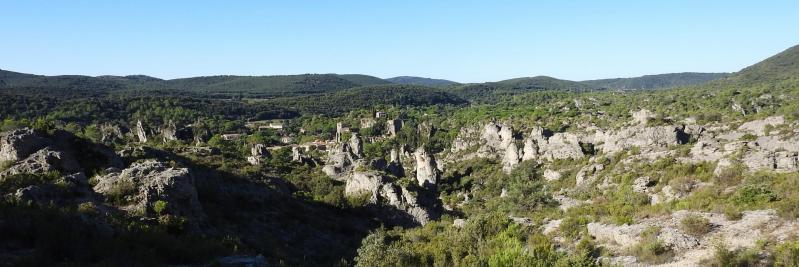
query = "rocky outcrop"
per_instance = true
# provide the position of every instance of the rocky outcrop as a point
(142, 184)
(551, 175)
(169, 132)
(561, 146)
(43, 161)
(496, 139)
(588, 174)
(258, 153)
(512, 157)
(642, 116)
(645, 138)
(340, 162)
(758, 127)
(141, 133)
(356, 145)
(530, 150)
(393, 127)
(426, 171)
(110, 133)
(689, 250)
(18, 144)
(380, 191)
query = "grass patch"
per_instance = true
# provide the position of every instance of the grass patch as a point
(695, 225)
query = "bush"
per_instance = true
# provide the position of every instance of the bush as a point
(118, 194)
(695, 225)
(753, 195)
(160, 207)
(4, 165)
(651, 250)
(787, 254)
(724, 257)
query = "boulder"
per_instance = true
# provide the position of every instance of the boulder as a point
(141, 133)
(511, 158)
(364, 183)
(588, 173)
(426, 167)
(340, 162)
(110, 133)
(43, 161)
(144, 183)
(18, 144)
(645, 138)
(551, 175)
(530, 150)
(642, 184)
(561, 146)
(758, 127)
(258, 153)
(356, 145)
(642, 116)
(169, 132)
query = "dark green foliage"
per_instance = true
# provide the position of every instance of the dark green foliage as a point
(660, 81)
(420, 81)
(64, 237)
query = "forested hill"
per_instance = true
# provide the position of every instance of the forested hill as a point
(250, 86)
(659, 81)
(780, 68)
(413, 80)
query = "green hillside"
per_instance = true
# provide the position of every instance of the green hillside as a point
(659, 81)
(783, 67)
(420, 81)
(337, 103)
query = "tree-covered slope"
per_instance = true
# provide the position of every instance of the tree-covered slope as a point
(659, 81)
(413, 80)
(336, 103)
(778, 68)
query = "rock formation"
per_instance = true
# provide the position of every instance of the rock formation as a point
(258, 153)
(356, 145)
(169, 132)
(144, 183)
(110, 133)
(426, 171)
(18, 144)
(141, 133)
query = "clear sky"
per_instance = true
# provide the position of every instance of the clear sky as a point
(466, 41)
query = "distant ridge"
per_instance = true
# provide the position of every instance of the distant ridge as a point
(413, 80)
(658, 81)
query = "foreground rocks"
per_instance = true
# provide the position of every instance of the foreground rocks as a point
(141, 185)
(690, 250)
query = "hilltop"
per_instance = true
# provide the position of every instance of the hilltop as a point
(413, 80)
(659, 81)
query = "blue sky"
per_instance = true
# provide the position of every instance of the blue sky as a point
(466, 41)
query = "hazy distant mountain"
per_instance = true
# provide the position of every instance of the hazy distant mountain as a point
(659, 81)
(542, 82)
(420, 81)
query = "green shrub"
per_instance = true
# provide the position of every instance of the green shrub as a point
(359, 200)
(695, 225)
(118, 194)
(4, 165)
(749, 137)
(12, 183)
(160, 207)
(651, 250)
(87, 208)
(724, 257)
(787, 254)
(753, 195)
